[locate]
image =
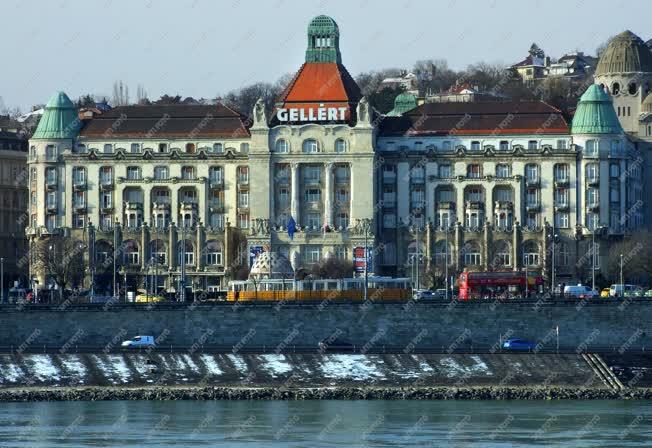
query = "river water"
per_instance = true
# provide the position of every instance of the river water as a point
(327, 424)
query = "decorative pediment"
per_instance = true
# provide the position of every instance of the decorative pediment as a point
(201, 154)
(147, 154)
(175, 153)
(230, 153)
(120, 153)
(518, 150)
(490, 150)
(546, 149)
(93, 154)
(460, 150)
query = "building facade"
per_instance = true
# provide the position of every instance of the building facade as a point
(162, 193)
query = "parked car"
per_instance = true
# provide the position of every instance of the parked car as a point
(423, 294)
(139, 342)
(580, 292)
(604, 293)
(441, 294)
(648, 293)
(620, 290)
(518, 344)
(144, 298)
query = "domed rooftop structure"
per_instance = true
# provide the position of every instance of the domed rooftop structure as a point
(403, 103)
(626, 53)
(271, 262)
(595, 113)
(323, 40)
(59, 120)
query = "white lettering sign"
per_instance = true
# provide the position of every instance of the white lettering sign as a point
(311, 114)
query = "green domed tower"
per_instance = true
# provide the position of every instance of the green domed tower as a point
(595, 114)
(59, 120)
(323, 41)
(403, 103)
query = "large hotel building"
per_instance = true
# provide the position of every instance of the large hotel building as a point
(480, 185)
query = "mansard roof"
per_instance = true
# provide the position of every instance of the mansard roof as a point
(321, 82)
(477, 118)
(169, 121)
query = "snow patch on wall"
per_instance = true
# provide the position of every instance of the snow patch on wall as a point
(277, 365)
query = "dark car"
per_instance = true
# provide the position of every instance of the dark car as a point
(519, 344)
(337, 345)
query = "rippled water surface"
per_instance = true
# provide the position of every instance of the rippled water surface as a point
(327, 423)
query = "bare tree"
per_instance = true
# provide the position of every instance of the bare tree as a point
(141, 95)
(333, 268)
(61, 259)
(120, 94)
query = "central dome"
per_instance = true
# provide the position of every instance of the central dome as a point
(626, 53)
(323, 25)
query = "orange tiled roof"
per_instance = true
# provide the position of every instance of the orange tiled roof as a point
(321, 82)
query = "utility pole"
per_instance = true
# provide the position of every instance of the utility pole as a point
(526, 279)
(593, 259)
(366, 262)
(2, 280)
(115, 251)
(182, 282)
(446, 261)
(417, 265)
(554, 269)
(622, 283)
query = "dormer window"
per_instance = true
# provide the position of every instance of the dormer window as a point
(217, 147)
(504, 145)
(108, 148)
(340, 145)
(135, 148)
(162, 147)
(475, 145)
(190, 148)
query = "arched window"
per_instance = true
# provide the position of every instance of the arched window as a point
(190, 148)
(340, 145)
(213, 253)
(531, 254)
(189, 252)
(472, 254)
(132, 254)
(281, 145)
(502, 254)
(310, 146)
(632, 88)
(442, 252)
(158, 251)
(615, 88)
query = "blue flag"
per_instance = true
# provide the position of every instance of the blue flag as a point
(292, 227)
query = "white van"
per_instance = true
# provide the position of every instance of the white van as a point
(580, 292)
(139, 342)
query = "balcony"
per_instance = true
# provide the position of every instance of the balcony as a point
(562, 183)
(188, 205)
(80, 206)
(474, 205)
(533, 207)
(51, 207)
(503, 205)
(160, 205)
(133, 206)
(108, 208)
(532, 182)
(216, 184)
(51, 184)
(418, 180)
(562, 207)
(446, 205)
(593, 181)
(106, 184)
(312, 181)
(79, 185)
(593, 206)
(418, 205)
(216, 206)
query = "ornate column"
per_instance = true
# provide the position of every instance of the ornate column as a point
(516, 246)
(294, 204)
(144, 246)
(172, 246)
(328, 194)
(200, 250)
(429, 238)
(227, 247)
(486, 243)
(458, 246)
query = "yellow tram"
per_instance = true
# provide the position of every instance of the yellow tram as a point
(378, 289)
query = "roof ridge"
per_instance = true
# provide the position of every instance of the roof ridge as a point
(284, 94)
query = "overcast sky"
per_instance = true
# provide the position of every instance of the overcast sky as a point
(205, 48)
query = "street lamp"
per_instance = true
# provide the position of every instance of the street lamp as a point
(2, 280)
(554, 269)
(622, 283)
(123, 273)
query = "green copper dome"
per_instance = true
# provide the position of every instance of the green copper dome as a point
(323, 40)
(626, 53)
(59, 120)
(403, 103)
(595, 114)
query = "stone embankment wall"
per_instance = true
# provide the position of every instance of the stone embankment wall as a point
(406, 327)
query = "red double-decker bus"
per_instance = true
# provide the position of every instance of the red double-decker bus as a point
(476, 285)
